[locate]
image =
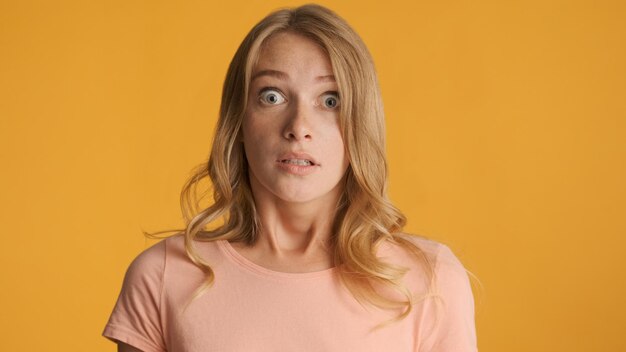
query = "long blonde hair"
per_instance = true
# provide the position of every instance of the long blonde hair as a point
(365, 217)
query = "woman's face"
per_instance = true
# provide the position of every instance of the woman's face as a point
(291, 132)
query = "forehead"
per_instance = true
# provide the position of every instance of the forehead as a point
(294, 54)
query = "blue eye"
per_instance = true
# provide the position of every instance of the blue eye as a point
(271, 96)
(331, 100)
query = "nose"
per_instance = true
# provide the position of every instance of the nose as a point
(297, 126)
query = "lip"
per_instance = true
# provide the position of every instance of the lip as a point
(299, 170)
(294, 155)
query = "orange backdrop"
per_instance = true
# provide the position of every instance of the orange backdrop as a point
(506, 125)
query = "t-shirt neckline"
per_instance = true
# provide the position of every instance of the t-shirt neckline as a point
(245, 263)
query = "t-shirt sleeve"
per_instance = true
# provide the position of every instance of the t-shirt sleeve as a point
(455, 329)
(136, 317)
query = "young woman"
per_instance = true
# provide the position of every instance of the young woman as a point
(307, 253)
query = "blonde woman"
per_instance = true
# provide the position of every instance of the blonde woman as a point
(301, 249)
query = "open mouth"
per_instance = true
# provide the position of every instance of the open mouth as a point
(300, 162)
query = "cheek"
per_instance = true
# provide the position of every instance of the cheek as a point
(336, 137)
(259, 125)
(252, 131)
(257, 144)
(334, 147)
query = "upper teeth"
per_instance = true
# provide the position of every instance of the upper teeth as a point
(297, 161)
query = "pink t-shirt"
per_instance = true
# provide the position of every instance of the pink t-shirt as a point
(251, 308)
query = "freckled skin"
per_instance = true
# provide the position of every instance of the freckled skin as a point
(296, 115)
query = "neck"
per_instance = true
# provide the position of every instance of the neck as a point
(294, 230)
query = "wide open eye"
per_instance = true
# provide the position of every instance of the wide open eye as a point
(271, 96)
(331, 100)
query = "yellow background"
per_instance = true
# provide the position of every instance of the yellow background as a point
(506, 126)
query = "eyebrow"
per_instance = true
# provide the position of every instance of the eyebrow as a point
(284, 76)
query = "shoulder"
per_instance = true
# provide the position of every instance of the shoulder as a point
(151, 262)
(452, 284)
(168, 261)
(155, 254)
(449, 272)
(136, 317)
(439, 253)
(449, 315)
(147, 267)
(150, 256)
(427, 245)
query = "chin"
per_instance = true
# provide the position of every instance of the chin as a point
(305, 193)
(298, 198)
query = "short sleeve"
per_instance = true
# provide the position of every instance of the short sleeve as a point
(135, 319)
(451, 319)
